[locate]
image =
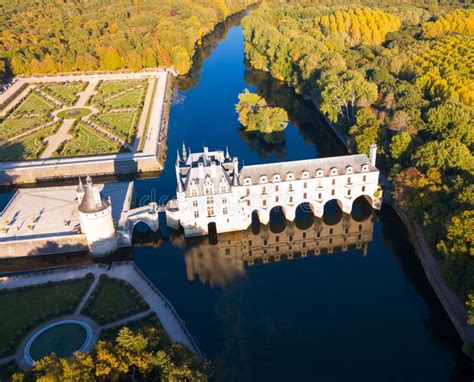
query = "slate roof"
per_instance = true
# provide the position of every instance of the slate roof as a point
(311, 165)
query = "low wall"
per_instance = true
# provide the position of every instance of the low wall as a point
(453, 305)
(43, 246)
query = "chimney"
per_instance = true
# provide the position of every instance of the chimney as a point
(373, 154)
(201, 170)
(206, 152)
(213, 169)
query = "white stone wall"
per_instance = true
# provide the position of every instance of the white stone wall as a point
(100, 231)
(285, 192)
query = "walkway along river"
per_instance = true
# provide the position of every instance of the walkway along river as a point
(334, 316)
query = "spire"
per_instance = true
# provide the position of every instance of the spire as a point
(227, 156)
(178, 159)
(185, 154)
(93, 201)
(179, 182)
(88, 180)
(80, 187)
(235, 180)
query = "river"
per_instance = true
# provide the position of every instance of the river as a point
(363, 313)
(337, 316)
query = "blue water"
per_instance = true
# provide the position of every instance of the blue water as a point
(335, 317)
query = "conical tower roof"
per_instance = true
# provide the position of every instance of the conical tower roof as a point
(93, 201)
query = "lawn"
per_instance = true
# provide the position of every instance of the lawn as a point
(64, 92)
(34, 104)
(109, 88)
(29, 147)
(74, 113)
(118, 123)
(86, 141)
(12, 127)
(113, 300)
(24, 308)
(128, 100)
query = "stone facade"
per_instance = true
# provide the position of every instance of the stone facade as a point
(211, 190)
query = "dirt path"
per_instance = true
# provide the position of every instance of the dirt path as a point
(86, 93)
(143, 117)
(55, 140)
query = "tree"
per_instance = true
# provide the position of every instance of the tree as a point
(460, 235)
(451, 120)
(400, 144)
(181, 59)
(447, 155)
(343, 92)
(366, 131)
(256, 115)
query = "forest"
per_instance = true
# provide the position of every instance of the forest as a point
(402, 77)
(79, 35)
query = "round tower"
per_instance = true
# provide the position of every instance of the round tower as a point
(95, 215)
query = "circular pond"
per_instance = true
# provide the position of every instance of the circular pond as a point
(62, 337)
(74, 113)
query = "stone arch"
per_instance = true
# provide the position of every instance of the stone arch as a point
(332, 215)
(362, 207)
(255, 222)
(212, 232)
(278, 223)
(304, 215)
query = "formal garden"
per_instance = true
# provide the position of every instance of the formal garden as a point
(96, 318)
(108, 113)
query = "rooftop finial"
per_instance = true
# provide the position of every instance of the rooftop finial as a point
(88, 180)
(178, 159)
(80, 187)
(185, 154)
(227, 156)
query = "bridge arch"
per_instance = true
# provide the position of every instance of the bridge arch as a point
(362, 207)
(277, 218)
(332, 211)
(304, 215)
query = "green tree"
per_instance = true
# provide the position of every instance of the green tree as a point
(460, 235)
(452, 120)
(446, 155)
(399, 145)
(366, 131)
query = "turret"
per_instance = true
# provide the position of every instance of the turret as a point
(227, 156)
(95, 215)
(373, 154)
(179, 182)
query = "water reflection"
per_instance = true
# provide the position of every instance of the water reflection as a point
(220, 264)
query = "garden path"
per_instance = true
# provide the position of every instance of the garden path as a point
(87, 295)
(126, 320)
(144, 115)
(54, 141)
(86, 93)
(14, 103)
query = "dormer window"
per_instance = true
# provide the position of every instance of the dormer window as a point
(319, 172)
(305, 174)
(290, 176)
(365, 168)
(247, 180)
(334, 171)
(276, 177)
(349, 170)
(263, 179)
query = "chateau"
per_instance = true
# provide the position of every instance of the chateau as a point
(213, 193)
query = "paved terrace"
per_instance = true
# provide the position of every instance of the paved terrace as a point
(52, 211)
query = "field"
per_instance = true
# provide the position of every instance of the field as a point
(112, 300)
(34, 103)
(24, 308)
(29, 147)
(64, 92)
(120, 123)
(86, 141)
(109, 88)
(16, 126)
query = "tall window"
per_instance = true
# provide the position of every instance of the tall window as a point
(194, 192)
(320, 196)
(277, 199)
(196, 214)
(333, 192)
(290, 187)
(305, 195)
(364, 178)
(277, 188)
(209, 200)
(208, 190)
(210, 211)
(195, 203)
(264, 202)
(363, 188)
(291, 199)
(333, 182)
(224, 211)
(305, 184)
(348, 192)
(247, 192)
(223, 188)
(349, 181)
(224, 200)
(264, 190)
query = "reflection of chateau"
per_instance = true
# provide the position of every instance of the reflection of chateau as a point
(221, 263)
(212, 191)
